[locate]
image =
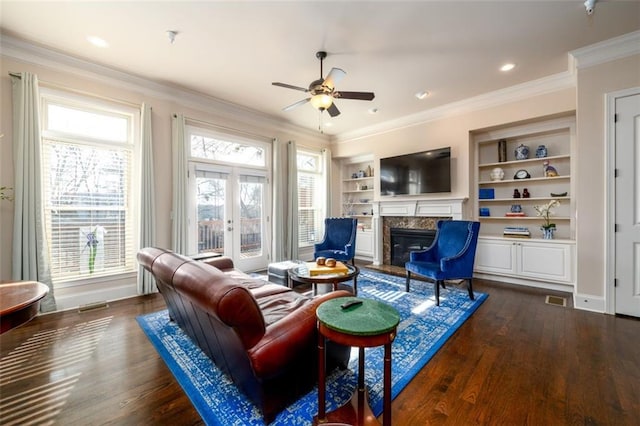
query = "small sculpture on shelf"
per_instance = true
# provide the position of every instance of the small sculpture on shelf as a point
(525, 193)
(549, 171)
(541, 152)
(516, 193)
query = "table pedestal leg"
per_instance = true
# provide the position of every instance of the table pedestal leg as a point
(321, 379)
(386, 407)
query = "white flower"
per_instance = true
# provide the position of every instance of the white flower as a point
(544, 211)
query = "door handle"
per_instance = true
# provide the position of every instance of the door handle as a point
(229, 228)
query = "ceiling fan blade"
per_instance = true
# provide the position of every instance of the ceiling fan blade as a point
(362, 96)
(333, 110)
(289, 86)
(334, 77)
(297, 104)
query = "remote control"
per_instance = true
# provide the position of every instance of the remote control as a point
(351, 303)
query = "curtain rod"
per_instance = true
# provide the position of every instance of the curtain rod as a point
(81, 92)
(228, 129)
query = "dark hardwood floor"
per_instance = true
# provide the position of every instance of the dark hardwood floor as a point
(516, 361)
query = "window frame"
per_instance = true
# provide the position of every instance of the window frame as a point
(319, 198)
(94, 104)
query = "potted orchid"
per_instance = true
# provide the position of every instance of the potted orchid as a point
(545, 211)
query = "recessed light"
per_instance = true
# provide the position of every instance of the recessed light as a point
(421, 95)
(507, 67)
(97, 41)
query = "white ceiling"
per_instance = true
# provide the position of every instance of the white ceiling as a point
(234, 50)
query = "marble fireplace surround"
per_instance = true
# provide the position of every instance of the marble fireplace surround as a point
(413, 214)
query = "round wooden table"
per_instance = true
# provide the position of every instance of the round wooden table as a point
(301, 274)
(19, 302)
(368, 324)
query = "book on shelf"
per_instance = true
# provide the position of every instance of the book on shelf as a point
(512, 214)
(516, 231)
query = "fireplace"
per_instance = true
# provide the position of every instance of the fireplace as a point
(405, 240)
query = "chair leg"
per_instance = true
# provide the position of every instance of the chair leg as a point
(470, 288)
(436, 286)
(406, 287)
(353, 261)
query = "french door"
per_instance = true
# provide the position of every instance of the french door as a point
(229, 208)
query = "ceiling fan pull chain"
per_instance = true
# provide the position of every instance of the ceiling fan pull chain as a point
(320, 121)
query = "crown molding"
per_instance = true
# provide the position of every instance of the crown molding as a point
(18, 49)
(607, 50)
(550, 84)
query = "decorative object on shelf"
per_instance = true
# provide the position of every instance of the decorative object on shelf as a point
(497, 174)
(486, 194)
(549, 171)
(358, 186)
(522, 152)
(544, 211)
(354, 175)
(360, 174)
(541, 152)
(369, 171)
(484, 211)
(502, 150)
(516, 193)
(364, 187)
(516, 232)
(558, 194)
(516, 208)
(522, 174)
(525, 193)
(364, 200)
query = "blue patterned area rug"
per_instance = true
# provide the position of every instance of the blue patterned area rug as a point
(423, 329)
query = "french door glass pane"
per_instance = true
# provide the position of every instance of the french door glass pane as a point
(251, 199)
(211, 214)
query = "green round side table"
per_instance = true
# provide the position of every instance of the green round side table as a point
(365, 325)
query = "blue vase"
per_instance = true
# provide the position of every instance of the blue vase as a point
(522, 152)
(541, 152)
(547, 233)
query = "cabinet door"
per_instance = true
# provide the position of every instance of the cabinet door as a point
(545, 261)
(495, 256)
(364, 243)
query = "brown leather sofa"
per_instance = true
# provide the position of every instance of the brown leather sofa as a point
(262, 335)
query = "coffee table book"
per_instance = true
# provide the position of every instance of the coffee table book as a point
(315, 269)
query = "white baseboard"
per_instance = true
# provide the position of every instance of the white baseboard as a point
(588, 302)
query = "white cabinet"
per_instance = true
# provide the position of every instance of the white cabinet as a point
(364, 242)
(547, 261)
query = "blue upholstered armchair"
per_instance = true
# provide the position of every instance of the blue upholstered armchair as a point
(450, 257)
(339, 239)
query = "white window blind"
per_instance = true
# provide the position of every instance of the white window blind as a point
(310, 195)
(88, 189)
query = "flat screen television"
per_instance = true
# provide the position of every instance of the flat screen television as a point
(418, 173)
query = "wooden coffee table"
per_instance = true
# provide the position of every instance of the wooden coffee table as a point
(19, 302)
(369, 324)
(301, 274)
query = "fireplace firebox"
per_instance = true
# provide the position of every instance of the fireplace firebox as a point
(405, 240)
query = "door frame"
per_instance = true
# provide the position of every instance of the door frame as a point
(610, 212)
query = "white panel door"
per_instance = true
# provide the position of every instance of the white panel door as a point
(545, 261)
(495, 256)
(627, 193)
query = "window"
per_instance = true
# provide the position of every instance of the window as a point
(88, 155)
(311, 195)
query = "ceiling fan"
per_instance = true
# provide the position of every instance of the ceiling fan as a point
(323, 91)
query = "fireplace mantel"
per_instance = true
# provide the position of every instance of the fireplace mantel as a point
(443, 207)
(412, 207)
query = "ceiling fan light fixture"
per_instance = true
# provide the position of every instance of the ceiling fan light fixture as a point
(321, 101)
(421, 95)
(507, 67)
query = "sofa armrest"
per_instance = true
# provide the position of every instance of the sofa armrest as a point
(222, 262)
(285, 339)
